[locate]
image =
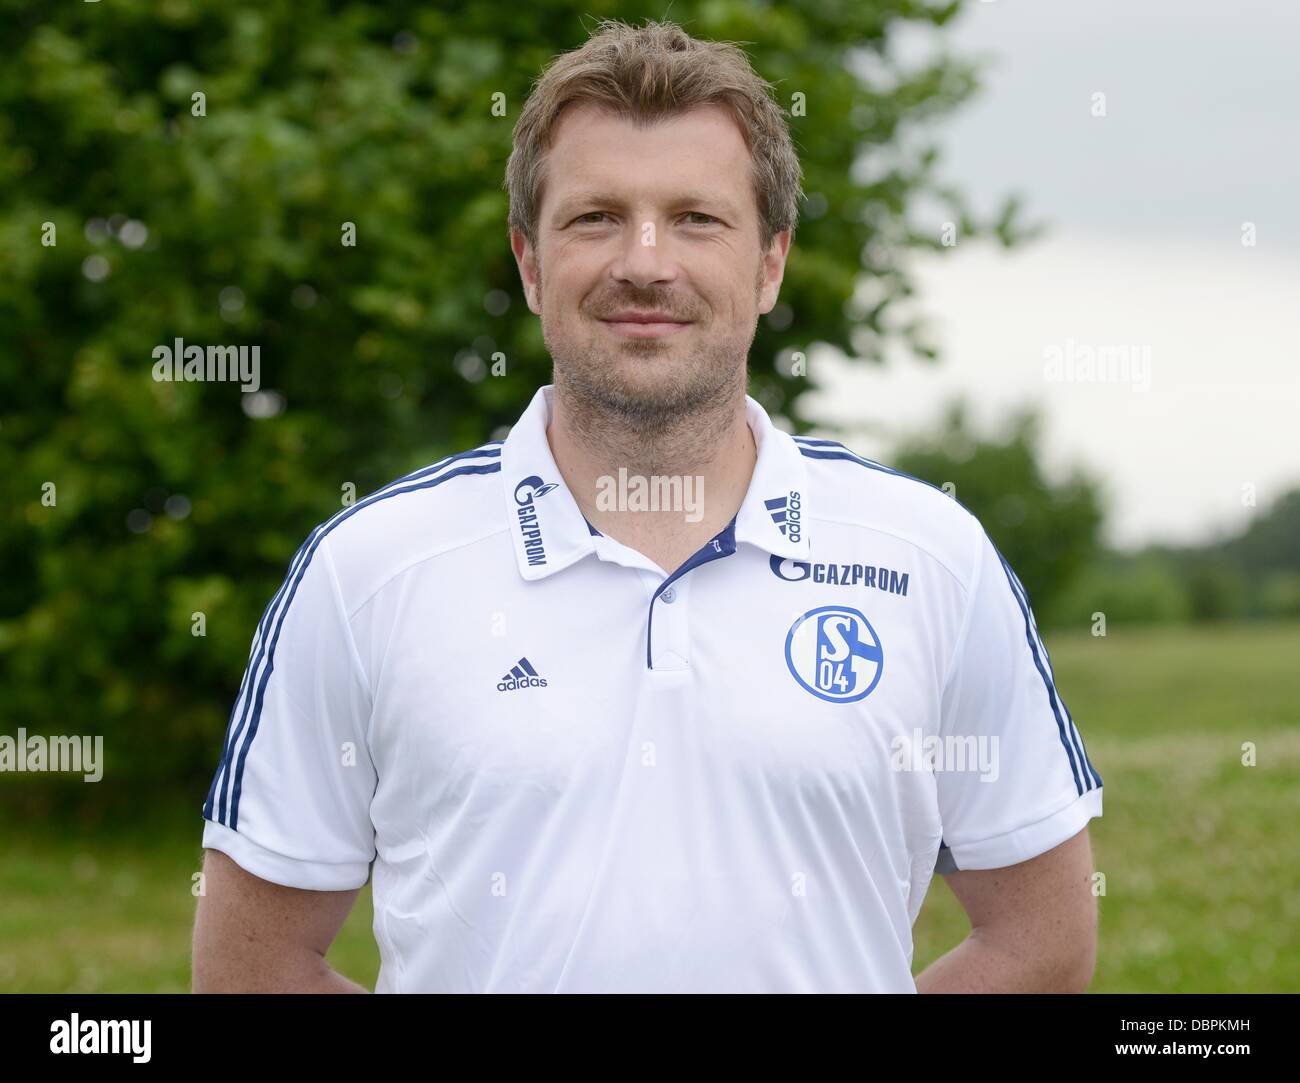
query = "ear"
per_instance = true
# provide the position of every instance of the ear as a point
(527, 263)
(774, 271)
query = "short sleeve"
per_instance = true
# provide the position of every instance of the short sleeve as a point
(1025, 784)
(290, 799)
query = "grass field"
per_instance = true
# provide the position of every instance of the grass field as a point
(1199, 851)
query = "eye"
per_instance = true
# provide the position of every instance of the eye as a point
(589, 214)
(701, 214)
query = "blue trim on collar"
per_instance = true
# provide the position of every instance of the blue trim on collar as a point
(722, 544)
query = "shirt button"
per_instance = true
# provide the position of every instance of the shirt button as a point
(669, 596)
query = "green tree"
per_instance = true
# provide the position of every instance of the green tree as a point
(1128, 590)
(197, 162)
(1271, 540)
(1253, 573)
(1047, 530)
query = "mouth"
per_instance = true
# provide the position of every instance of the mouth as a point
(645, 324)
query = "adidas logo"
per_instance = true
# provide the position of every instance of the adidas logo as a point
(521, 675)
(785, 512)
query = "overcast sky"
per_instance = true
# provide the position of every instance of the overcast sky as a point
(1144, 255)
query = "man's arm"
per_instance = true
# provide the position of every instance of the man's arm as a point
(1033, 927)
(253, 936)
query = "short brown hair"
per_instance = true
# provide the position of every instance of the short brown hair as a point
(646, 74)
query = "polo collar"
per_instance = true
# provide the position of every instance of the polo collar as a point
(550, 532)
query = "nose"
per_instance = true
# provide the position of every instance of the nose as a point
(644, 256)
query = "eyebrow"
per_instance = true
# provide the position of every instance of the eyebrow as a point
(570, 204)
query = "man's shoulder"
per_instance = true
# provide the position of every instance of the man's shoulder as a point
(447, 504)
(855, 491)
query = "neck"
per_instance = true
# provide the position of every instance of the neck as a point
(707, 452)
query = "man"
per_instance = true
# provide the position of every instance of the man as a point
(652, 696)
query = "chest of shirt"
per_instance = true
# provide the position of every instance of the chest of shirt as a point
(794, 674)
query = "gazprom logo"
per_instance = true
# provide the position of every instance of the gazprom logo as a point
(792, 571)
(531, 488)
(835, 654)
(840, 575)
(528, 490)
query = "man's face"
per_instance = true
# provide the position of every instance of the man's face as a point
(638, 221)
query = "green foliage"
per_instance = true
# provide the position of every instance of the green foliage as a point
(1217, 589)
(1279, 595)
(1271, 541)
(226, 228)
(1254, 573)
(1047, 530)
(1128, 591)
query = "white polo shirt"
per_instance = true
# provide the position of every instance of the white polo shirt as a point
(574, 774)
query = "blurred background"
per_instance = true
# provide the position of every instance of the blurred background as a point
(1049, 258)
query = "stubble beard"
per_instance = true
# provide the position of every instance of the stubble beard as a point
(679, 417)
